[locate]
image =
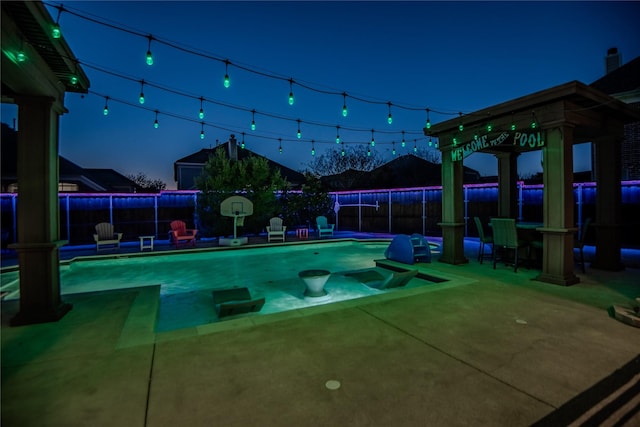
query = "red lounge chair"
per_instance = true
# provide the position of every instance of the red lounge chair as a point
(180, 233)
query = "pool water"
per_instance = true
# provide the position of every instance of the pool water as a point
(187, 278)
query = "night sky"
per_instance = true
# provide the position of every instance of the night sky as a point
(449, 57)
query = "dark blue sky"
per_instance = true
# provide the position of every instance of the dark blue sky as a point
(446, 56)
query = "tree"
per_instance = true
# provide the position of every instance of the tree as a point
(145, 183)
(250, 177)
(332, 162)
(313, 200)
(433, 156)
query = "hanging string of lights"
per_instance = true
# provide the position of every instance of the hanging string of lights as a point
(247, 68)
(204, 124)
(147, 83)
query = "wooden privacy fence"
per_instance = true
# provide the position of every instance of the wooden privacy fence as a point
(395, 211)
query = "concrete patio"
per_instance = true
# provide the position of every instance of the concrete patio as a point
(498, 348)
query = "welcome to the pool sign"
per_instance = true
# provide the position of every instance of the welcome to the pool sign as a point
(525, 140)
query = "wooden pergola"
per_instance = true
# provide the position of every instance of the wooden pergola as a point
(552, 120)
(37, 71)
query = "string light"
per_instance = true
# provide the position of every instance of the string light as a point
(21, 56)
(253, 119)
(393, 151)
(430, 142)
(226, 82)
(291, 92)
(460, 126)
(280, 145)
(202, 130)
(344, 104)
(428, 124)
(436, 144)
(149, 55)
(368, 152)
(513, 123)
(389, 117)
(105, 111)
(141, 98)
(156, 124)
(299, 133)
(313, 148)
(489, 127)
(201, 113)
(455, 141)
(342, 153)
(534, 122)
(415, 147)
(242, 143)
(74, 80)
(475, 136)
(403, 143)
(337, 134)
(373, 141)
(55, 28)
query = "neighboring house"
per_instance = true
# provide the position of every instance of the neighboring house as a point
(187, 169)
(623, 83)
(72, 178)
(406, 171)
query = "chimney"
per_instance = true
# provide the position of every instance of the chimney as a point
(233, 148)
(613, 60)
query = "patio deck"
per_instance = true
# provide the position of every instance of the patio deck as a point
(498, 348)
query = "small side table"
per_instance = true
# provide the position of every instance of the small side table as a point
(302, 233)
(146, 242)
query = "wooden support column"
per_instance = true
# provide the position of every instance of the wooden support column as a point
(608, 204)
(558, 231)
(452, 211)
(508, 184)
(38, 211)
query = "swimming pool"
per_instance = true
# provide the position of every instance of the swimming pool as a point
(186, 278)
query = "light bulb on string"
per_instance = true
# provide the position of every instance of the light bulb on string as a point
(428, 124)
(389, 117)
(201, 113)
(253, 119)
(73, 79)
(105, 111)
(373, 141)
(337, 134)
(202, 130)
(393, 151)
(291, 99)
(415, 147)
(436, 144)
(242, 143)
(313, 148)
(226, 81)
(344, 104)
(534, 122)
(430, 142)
(156, 124)
(280, 145)
(21, 56)
(475, 136)
(368, 152)
(299, 134)
(460, 126)
(403, 143)
(342, 153)
(141, 98)
(55, 28)
(455, 141)
(513, 123)
(489, 127)
(149, 55)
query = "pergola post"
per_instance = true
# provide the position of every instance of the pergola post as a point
(508, 184)
(558, 231)
(452, 211)
(608, 204)
(38, 211)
